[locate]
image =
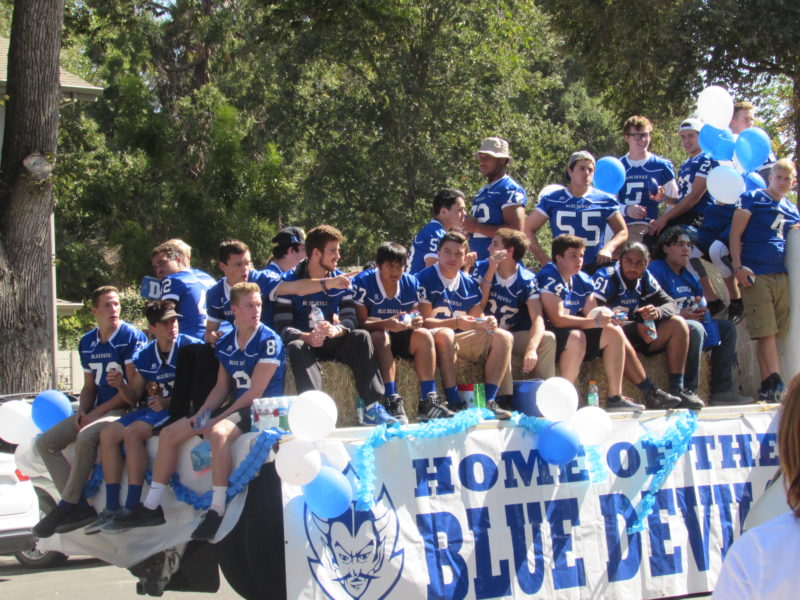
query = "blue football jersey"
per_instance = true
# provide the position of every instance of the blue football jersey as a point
(699, 165)
(150, 366)
(573, 294)
(447, 297)
(98, 357)
(369, 292)
(275, 268)
(425, 245)
(328, 301)
(638, 176)
(585, 217)
(204, 278)
(714, 225)
(508, 298)
(488, 205)
(264, 346)
(610, 288)
(189, 294)
(764, 238)
(219, 301)
(682, 287)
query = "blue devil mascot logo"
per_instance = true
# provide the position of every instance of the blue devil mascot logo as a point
(355, 555)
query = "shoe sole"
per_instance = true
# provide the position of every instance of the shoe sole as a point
(68, 527)
(143, 523)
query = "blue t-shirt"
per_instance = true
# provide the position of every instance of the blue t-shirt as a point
(447, 297)
(610, 287)
(699, 165)
(508, 298)
(264, 346)
(487, 208)
(425, 245)
(683, 287)
(764, 238)
(369, 292)
(189, 294)
(573, 294)
(97, 357)
(636, 190)
(150, 366)
(585, 217)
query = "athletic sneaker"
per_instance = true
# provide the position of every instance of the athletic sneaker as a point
(46, 527)
(208, 527)
(621, 403)
(688, 399)
(432, 407)
(113, 526)
(501, 414)
(396, 407)
(773, 394)
(141, 516)
(79, 517)
(100, 522)
(375, 414)
(657, 399)
(736, 311)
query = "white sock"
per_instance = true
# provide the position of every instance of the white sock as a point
(218, 494)
(154, 495)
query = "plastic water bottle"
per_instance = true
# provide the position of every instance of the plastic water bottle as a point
(592, 397)
(652, 332)
(480, 396)
(283, 413)
(315, 317)
(202, 419)
(360, 410)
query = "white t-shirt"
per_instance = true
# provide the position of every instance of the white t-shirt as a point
(762, 564)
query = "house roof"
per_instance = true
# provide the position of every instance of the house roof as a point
(72, 86)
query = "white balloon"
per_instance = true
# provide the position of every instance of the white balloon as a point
(312, 416)
(715, 107)
(592, 424)
(16, 422)
(298, 462)
(725, 184)
(549, 189)
(557, 399)
(28, 459)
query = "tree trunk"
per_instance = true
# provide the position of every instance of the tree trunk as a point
(26, 194)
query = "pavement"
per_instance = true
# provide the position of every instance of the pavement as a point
(83, 578)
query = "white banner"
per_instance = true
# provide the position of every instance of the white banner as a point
(480, 515)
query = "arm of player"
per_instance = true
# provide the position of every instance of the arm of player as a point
(119, 400)
(692, 198)
(534, 223)
(216, 396)
(476, 319)
(531, 356)
(374, 324)
(86, 400)
(133, 389)
(740, 220)
(617, 225)
(553, 307)
(430, 322)
(212, 333)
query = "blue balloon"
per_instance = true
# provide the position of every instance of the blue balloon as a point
(752, 148)
(609, 175)
(718, 143)
(50, 407)
(754, 181)
(558, 443)
(329, 494)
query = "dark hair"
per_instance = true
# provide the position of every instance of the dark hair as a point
(515, 240)
(452, 236)
(319, 236)
(564, 242)
(102, 290)
(668, 238)
(445, 198)
(155, 310)
(228, 247)
(635, 247)
(391, 252)
(287, 239)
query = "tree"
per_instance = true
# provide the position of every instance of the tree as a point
(26, 193)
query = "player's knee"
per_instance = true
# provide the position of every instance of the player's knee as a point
(380, 339)
(444, 338)
(112, 434)
(576, 341)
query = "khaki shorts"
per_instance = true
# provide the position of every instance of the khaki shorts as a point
(546, 364)
(766, 306)
(473, 345)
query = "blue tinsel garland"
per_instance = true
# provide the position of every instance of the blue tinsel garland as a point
(673, 443)
(241, 476)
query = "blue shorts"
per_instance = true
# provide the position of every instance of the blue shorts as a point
(148, 415)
